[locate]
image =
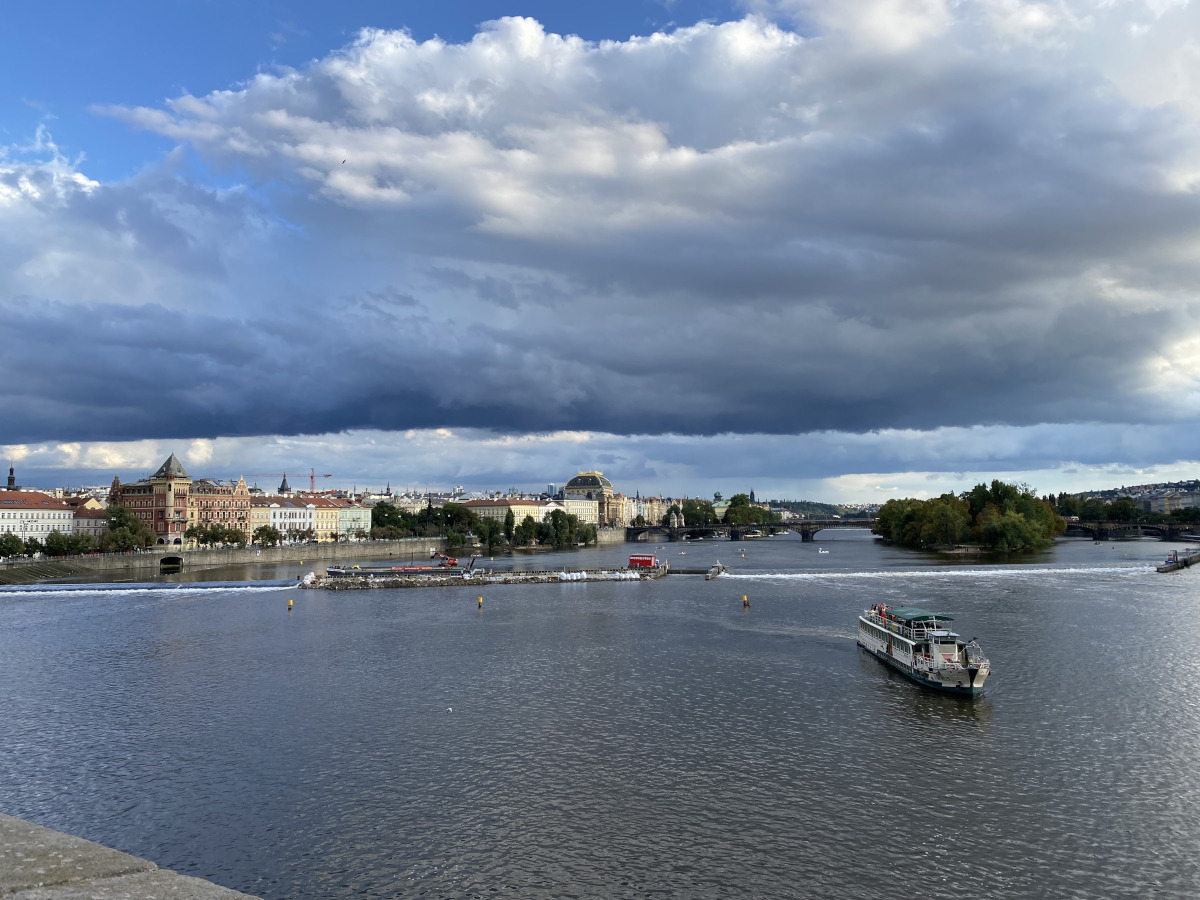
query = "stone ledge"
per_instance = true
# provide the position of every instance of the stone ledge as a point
(38, 863)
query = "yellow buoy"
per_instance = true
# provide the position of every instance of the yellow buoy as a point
(745, 601)
(289, 604)
(481, 603)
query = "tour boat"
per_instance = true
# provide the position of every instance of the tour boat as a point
(916, 643)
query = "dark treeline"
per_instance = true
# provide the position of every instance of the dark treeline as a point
(1123, 509)
(739, 512)
(1002, 517)
(455, 521)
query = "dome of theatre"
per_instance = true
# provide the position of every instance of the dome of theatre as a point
(589, 481)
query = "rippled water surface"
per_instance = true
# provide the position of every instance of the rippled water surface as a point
(624, 739)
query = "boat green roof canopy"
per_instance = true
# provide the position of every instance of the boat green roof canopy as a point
(916, 614)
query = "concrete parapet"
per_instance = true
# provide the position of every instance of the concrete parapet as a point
(37, 863)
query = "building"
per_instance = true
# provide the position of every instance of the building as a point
(92, 522)
(326, 518)
(32, 514)
(354, 520)
(292, 517)
(161, 501)
(594, 486)
(586, 511)
(498, 510)
(170, 501)
(212, 503)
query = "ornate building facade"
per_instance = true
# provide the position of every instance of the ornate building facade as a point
(170, 501)
(594, 486)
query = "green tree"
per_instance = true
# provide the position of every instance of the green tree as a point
(525, 533)
(944, 521)
(60, 544)
(267, 535)
(510, 524)
(1067, 505)
(10, 544)
(1005, 531)
(1001, 516)
(125, 531)
(1124, 509)
(32, 546)
(385, 515)
(459, 517)
(197, 534)
(490, 532)
(698, 512)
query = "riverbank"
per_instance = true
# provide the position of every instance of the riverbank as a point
(42, 864)
(152, 562)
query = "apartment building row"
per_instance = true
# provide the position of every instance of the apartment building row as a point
(170, 501)
(588, 496)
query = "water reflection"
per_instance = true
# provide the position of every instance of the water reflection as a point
(619, 739)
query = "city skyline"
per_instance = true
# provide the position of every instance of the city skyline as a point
(831, 251)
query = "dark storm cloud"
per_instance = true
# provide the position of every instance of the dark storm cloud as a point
(726, 229)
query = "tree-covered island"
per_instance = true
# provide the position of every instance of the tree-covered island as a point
(1004, 517)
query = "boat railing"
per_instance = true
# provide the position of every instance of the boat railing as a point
(915, 632)
(975, 656)
(928, 663)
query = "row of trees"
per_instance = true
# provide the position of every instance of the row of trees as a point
(456, 521)
(739, 512)
(1123, 509)
(125, 532)
(56, 543)
(1005, 517)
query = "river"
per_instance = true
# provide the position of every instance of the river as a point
(624, 739)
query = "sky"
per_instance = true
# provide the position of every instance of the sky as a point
(841, 251)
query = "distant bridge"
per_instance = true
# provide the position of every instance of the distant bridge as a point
(1123, 531)
(807, 528)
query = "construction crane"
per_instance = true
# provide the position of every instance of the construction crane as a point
(312, 477)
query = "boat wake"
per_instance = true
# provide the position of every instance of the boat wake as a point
(940, 573)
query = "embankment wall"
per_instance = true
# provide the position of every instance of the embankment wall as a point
(605, 536)
(414, 548)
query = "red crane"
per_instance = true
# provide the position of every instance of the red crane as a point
(312, 477)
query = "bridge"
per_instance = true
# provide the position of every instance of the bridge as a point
(807, 528)
(1123, 531)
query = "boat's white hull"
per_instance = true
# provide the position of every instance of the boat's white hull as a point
(965, 681)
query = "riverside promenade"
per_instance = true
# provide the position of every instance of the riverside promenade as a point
(38, 863)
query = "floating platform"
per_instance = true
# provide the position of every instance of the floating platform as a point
(374, 577)
(1175, 561)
